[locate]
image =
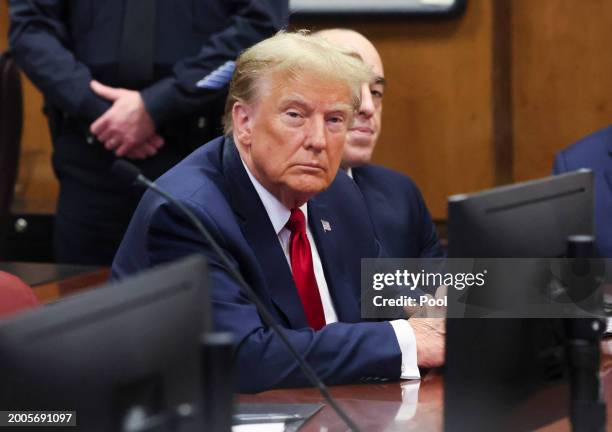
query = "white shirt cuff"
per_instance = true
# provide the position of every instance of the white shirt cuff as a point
(407, 343)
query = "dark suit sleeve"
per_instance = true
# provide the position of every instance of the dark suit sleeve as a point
(560, 165)
(39, 38)
(340, 353)
(186, 90)
(430, 244)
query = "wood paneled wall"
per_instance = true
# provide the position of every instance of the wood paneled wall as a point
(474, 101)
(36, 188)
(561, 76)
(3, 24)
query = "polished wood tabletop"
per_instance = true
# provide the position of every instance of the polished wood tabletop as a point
(394, 407)
(51, 282)
(52, 291)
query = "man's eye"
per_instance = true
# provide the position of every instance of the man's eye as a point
(377, 94)
(336, 119)
(293, 114)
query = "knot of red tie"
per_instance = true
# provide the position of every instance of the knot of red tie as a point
(297, 221)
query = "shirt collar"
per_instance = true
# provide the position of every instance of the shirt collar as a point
(277, 212)
(349, 172)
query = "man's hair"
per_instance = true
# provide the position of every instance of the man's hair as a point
(296, 54)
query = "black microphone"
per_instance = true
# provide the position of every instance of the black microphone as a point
(131, 174)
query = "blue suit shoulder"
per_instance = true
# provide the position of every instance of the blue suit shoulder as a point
(588, 152)
(190, 182)
(196, 173)
(376, 174)
(594, 152)
(196, 182)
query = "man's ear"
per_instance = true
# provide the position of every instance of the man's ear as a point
(242, 122)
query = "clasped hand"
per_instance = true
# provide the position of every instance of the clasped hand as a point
(126, 128)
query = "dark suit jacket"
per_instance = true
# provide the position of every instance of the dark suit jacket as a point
(213, 183)
(594, 152)
(399, 214)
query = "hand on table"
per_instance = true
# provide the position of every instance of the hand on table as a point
(429, 326)
(430, 334)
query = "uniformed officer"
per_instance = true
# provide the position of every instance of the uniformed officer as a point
(140, 79)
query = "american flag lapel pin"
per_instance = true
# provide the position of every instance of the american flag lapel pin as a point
(326, 225)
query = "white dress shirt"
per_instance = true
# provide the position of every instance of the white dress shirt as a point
(279, 216)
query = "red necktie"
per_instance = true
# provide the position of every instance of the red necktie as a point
(303, 272)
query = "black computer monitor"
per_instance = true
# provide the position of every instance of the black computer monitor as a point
(524, 220)
(126, 352)
(493, 365)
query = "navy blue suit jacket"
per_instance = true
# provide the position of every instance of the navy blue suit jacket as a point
(213, 183)
(399, 214)
(594, 152)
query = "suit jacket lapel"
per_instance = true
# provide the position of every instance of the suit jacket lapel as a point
(327, 234)
(373, 196)
(374, 199)
(260, 235)
(608, 177)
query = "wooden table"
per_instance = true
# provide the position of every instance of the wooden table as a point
(380, 407)
(53, 290)
(52, 281)
(373, 407)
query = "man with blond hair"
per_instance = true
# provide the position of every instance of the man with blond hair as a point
(269, 194)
